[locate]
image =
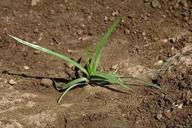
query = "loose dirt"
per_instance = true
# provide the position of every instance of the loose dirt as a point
(153, 42)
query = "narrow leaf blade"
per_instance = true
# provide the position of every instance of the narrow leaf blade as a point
(68, 89)
(145, 82)
(82, 79)
(97, 55)
(71, 85)
(112, 78)
(61, 56)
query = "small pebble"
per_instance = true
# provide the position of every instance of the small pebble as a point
(36, 52)
(34, 2)
(114, 67)
(106, 18)
(46, 82)
(115, 13)
(127, 31)
(159, 116)
(36, 30)
(66, 105)
(174, 50)
(12, 82)
(89, 18)
(167, 114)
(173, 39)
(52, 11)
(143, 33)
(164, 40)
(186, 50)
(162, 103)
(26, 67)
(158, 63)
(84, 38)
(155, 4)
(180, 106)
(72, 51)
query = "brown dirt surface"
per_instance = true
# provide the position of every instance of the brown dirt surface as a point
(153, 42)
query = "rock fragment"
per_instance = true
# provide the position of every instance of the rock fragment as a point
(26, 67)
(46, 82)
(34, 2)
(159, 116)
(155, 4)
(187, 50)
(12, 82)
(167, 114)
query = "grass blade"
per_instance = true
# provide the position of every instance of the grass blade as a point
(112, 78)
(105, 76)
(99, 81)
(71, 85)
(97, 55)
(61, 56)
(143, 81)
(87, 54)
(65, 86)
(68, 89)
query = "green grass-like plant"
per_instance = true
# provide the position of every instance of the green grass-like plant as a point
(90, 70)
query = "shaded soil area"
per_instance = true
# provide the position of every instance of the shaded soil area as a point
(153, 42)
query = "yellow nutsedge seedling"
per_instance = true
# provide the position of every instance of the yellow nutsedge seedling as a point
(90, 73)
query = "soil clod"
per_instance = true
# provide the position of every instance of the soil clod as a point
(46, 82)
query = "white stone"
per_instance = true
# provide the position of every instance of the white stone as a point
(26, 67)
(12, 82)
(34, 2)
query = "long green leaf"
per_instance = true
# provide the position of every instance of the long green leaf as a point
(99, 81)
(87, 54)
(111, 78)
(105, 76)
(68, 89)
(97, 55)
(65, 86)
(143, 81)
(67, 59)
(71, 85)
